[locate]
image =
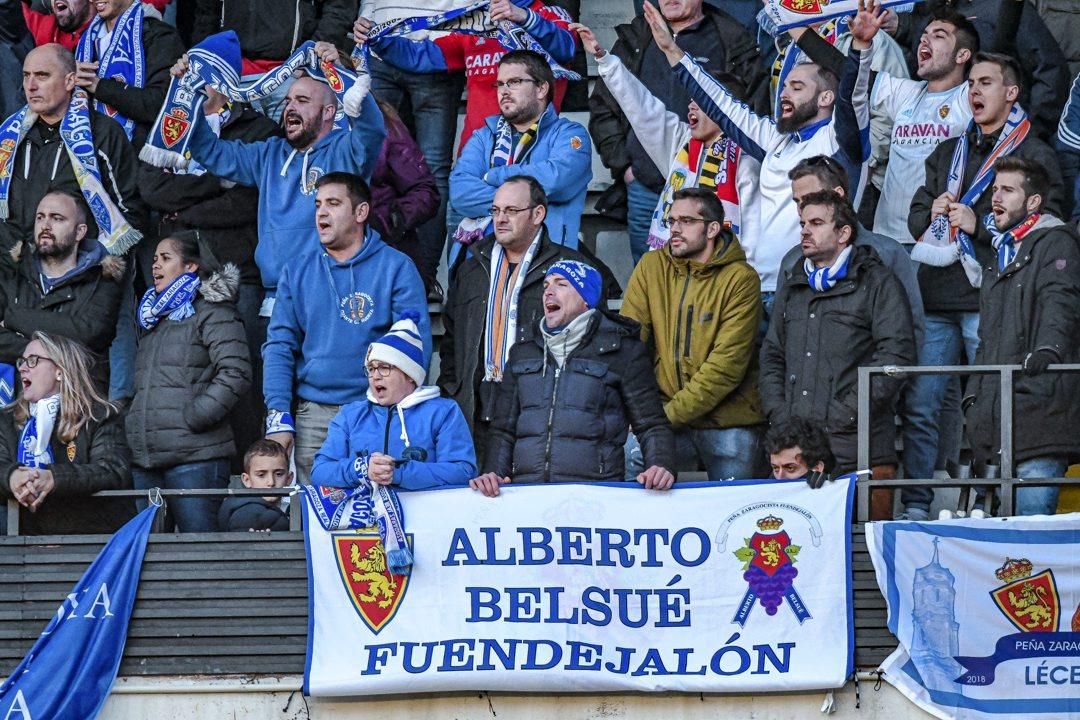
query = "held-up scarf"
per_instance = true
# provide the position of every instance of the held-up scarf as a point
(470, 20)
(500, 324)
(34, 450)
(176, 302)
(781, 15)
(123, 58)
(822, 279)
(505, 152)
(216, 62)
(942, 245)
(114, 231)
(712, 166)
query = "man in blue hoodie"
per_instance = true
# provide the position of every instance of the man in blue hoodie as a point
(332, 302)
(527, 138)
(285, 169)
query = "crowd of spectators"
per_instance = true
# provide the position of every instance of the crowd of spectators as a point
(897, 189)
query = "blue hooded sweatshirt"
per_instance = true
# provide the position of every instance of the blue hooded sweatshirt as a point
(421, 420)
(327, 313)
(560, 158)
(286, 179)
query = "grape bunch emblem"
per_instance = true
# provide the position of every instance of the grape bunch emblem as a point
(768, 558)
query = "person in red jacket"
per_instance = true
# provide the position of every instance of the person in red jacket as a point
(67, 21)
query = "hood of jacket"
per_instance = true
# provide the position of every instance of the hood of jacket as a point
(546, 119)
(90, 254)
(222, 286)
(728, 251)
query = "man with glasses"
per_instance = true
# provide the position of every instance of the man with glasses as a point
(699, 305)
(333, 301)
(496, 296)
(527, 137)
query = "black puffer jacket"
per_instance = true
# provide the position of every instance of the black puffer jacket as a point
(570, 425)
(188, 376)
(1033, 305)
(461, 349)
(82, 306)
(271, 29)
(816, 343)
(97, 459)
(241, 513)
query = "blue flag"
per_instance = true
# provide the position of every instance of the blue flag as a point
(69, 671)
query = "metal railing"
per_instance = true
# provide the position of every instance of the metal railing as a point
(295, 522)
(1007, 482)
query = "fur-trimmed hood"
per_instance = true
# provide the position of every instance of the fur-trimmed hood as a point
(222, 286)
(112, 266)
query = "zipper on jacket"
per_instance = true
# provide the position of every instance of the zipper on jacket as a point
(689, 330)
(550, 420)
(678, 332)
(296, 27)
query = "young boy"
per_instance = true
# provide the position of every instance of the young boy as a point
(266, 465)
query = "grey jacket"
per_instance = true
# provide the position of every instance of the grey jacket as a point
(188, 376)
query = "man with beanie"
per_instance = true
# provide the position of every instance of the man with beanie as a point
(333, 301)
(571, 390)
(408, 435)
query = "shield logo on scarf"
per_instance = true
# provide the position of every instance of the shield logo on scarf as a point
(7, 149)
(809, 7)
(1030, 602)
(332, 77)
(374, 592)
(174, 126)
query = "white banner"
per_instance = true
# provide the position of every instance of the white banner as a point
(739, 586)
(987, 613)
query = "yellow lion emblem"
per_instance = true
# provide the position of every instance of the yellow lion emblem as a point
(372, 572)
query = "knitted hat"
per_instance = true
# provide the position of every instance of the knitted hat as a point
(584, 278)
(402, 347)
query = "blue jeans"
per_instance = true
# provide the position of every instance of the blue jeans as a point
(726, 453)
(1039, 500)
(434, 100)
(948, 337)
(273, 105)
(193, 514)
(640, 205)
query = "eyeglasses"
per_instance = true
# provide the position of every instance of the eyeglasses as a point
(379, 370)
(508, 211)
(672, 222)
(511, 83)
(30, 361)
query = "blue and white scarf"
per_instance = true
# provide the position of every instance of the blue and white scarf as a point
(822, 279)
(123, 58)
(216, 62)
(367, 505)
(177, 302)
(942, 245)
(471, 20)
(500, 321)
(34, 442)
(780, 15)
(75, 132)
(1007, 243)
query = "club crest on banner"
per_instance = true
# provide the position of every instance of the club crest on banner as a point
(768, 558)
(1030, 602)
(804, 6)
(374, 592)
(7, 150)
(173, 126)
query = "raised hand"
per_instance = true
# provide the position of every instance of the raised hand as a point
(360, 30)
(506, 10)
(662, 34)
(588, 40)
(866, 23)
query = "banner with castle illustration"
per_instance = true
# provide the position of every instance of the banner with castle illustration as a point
(987, 613)
(737, 586)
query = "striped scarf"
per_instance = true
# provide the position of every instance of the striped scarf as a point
(713, 166)
(176, 302)
(822, 279)
(1006, 243)
(781, 15)
(123, 58)
(34, 442)
(500, 323)
(942, 245)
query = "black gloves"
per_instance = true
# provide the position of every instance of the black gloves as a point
(1036, 362)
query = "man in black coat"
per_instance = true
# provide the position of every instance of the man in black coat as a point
(1029, 306)
(64, 283)
(571, 391)
(469, 370)
(840, 309)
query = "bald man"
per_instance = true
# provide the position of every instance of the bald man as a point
(40, 161)
(285, 169)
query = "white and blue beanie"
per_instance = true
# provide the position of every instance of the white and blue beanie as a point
(585, 279)
(403, 348)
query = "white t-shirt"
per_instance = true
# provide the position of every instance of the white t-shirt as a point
(921, 120)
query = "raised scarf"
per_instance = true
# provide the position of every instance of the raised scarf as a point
(781, 15)
(713, 166)
(176, 302)
(75, 132)
(123, 58)
(942, 245)
(216, 62)
(822, 279)
(504, 152)
(470, 20)
(34, 449)
(500, 322)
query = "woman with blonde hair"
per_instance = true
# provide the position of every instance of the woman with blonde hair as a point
(61, 441)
